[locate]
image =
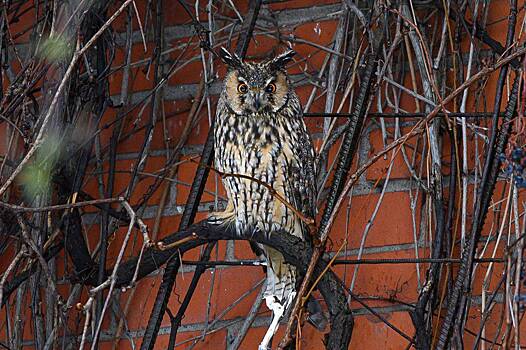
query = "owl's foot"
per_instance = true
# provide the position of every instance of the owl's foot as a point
(221, 217)
(277, 312)
(226, 216)
(214, 220)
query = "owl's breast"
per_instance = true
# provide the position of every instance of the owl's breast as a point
(256, 157)
(244, 143)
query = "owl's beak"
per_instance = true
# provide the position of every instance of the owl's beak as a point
(257, 103)
(256, 100)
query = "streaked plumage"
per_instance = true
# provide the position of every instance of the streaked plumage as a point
(260, 133)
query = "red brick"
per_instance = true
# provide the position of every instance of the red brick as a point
(167, 132)
(263, 47)
(123, 174)
(277, 6)
(255, 335)
(173, 14)
(141, 77)
(225, 293)
(187, 74)
(243, 251)
(497, 272)
(384, 231)
(214, 340)
(321, 33)
(377, 335)
(383, 281)
(399, 168)
(186, 175)
(5, 140)
(23, 22)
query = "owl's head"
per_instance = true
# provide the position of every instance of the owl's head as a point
(255, 87)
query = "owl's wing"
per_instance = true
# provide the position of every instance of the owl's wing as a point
(302, 185)
(301, 189)
(303, 173)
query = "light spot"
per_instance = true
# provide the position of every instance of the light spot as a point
(317, 29)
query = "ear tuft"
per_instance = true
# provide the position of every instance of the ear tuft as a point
(231, 60)
(280, 61)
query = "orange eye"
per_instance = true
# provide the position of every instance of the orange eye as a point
(242, 88)
(271, 88)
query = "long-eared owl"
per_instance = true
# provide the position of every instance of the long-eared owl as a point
(260, 134)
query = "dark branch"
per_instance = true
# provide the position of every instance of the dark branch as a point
(295, 251)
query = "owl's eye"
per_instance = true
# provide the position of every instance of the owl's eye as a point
(242, 88)
(271, 88)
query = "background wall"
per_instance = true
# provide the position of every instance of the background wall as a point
(388, 215)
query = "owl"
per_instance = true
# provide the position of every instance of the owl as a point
(261, 141)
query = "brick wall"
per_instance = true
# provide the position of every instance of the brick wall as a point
(385, 203)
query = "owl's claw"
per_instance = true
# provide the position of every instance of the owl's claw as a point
(277, 312)
(290, 299)
(214, 220)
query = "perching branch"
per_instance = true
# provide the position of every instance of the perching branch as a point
(295, 251)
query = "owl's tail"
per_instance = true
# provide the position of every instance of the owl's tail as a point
(281, 277)
(281, 291)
